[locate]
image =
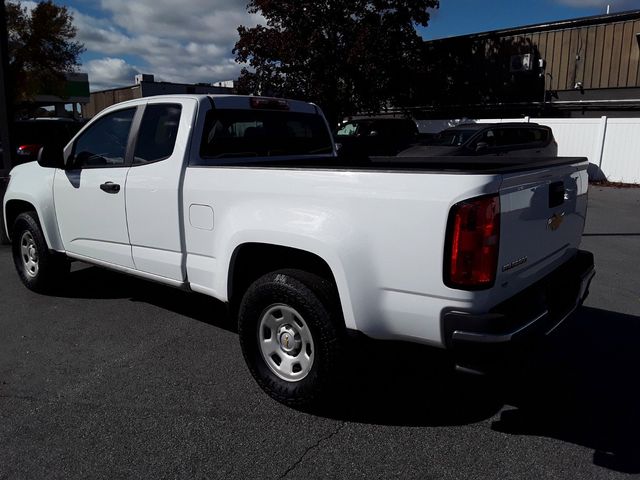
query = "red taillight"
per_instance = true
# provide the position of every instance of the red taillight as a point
(28, 150)
(269, 103)
(471, 258)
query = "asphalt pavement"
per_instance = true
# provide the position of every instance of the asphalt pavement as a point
(119, 378)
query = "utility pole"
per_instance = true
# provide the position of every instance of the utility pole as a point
(5, 115)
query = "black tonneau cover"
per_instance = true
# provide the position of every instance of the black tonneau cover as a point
(467, 165)
(477, 165)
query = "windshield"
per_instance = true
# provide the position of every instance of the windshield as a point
(451, 138)
(259, 133)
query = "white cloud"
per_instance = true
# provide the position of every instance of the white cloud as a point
(110, 71)
(28, 4)
(179, 42)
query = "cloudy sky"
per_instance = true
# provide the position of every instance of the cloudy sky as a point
(191, 40)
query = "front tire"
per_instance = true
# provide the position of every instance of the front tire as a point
(292, 335)
(39, 269)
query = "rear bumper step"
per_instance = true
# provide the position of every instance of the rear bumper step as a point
(535, 312)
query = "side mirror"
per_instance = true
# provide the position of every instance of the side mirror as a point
(51, 156)
(481, 146)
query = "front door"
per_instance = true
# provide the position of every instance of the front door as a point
(90, 197)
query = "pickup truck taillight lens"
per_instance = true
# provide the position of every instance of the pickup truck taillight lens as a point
(471, 255)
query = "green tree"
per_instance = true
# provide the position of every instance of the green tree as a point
(41, 48)
(346, 55)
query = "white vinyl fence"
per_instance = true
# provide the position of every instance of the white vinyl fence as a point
(612, 145)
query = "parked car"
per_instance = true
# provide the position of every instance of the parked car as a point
(244, 199)
(30, 135)
(513, 139)
(367, 137)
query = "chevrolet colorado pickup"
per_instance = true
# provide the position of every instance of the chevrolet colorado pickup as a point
(244, 199)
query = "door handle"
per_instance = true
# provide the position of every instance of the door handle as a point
(110, 187)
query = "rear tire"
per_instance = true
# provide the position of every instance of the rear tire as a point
(292, 336)
(39, 269)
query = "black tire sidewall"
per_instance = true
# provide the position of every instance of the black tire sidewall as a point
(286, 289)
(49, 267)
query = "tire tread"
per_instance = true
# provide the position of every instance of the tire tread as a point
(52, 266)
(315, 296)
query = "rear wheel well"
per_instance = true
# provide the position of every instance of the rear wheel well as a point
(15, 208)
(250, 261)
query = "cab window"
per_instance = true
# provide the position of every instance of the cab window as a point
(157, 134)
(104, 144)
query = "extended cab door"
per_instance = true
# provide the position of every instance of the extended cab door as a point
(90, 196)
(154, 200)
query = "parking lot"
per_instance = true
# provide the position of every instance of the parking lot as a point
(122, 378)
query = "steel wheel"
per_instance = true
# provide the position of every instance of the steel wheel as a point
(285, 342)
(291, 334)
(29, 254)
(39, 269)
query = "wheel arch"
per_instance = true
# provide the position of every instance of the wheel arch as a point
(250, 260)
(14, 207)
(31, 189)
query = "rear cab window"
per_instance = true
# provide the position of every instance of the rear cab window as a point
(541, 135)
(252, 133)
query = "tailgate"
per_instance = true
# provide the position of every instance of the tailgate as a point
(542, 216)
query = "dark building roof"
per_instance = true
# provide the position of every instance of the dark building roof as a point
(165, 84)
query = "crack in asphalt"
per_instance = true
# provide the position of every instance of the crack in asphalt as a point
(313, 447)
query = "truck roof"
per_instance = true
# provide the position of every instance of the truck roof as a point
(227, 101)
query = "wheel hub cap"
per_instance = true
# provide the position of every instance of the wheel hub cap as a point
(286, 343)
(29, 254)
(289, 342)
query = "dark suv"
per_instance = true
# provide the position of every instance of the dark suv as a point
(375, 136)
(514, 139)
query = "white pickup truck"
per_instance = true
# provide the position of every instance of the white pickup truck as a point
(244, 199)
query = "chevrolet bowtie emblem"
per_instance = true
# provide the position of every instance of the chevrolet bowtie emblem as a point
(555, 221)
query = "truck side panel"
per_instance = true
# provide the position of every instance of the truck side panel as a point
(381, 235)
